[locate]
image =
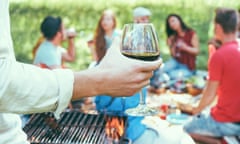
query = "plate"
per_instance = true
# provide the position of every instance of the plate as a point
(176, 118)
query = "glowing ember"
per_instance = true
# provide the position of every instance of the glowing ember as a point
(114, 128)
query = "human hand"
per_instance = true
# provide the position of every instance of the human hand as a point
(181, 45)
(71, 33)
(125, 76)
(186, 108)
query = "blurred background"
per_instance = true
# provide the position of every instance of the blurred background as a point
(83, 15)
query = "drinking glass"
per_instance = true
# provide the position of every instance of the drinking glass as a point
(139, 41)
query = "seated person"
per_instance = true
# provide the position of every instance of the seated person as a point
(223, 80)
(184, 47)
(104, 34)
(50, 53)
(141, 15)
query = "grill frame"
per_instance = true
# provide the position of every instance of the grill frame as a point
(73, 127)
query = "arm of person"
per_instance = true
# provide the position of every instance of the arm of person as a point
(208, 96)
(28, 89)
(69, 55)
(171, 45)
(194, 49)
(207, 99)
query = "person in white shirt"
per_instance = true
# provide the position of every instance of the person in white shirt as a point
(25, 88)
(141, 15)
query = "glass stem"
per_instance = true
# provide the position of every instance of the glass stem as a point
(142, 98)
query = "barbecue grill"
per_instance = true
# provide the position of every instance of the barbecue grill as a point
(73, 127)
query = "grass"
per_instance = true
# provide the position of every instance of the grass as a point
(26, 16)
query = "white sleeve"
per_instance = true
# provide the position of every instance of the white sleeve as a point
(6, 46)
(26, 88)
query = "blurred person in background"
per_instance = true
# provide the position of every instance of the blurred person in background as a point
(213, 45)
(29, 89)
(184, 47)
(141, 15)
(223, 118)
(50, 53)
(104, 34)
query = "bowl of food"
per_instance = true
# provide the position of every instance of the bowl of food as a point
(193, 90)
(195, 85)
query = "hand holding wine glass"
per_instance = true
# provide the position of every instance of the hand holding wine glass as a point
(139, 41)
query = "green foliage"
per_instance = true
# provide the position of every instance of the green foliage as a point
(26, 16)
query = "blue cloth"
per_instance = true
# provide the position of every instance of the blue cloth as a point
(176, 69)
(118, 105)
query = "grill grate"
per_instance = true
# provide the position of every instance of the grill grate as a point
(73, 127)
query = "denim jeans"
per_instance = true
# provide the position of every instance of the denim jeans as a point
(171, 70)
(176, 69)
(204, 124)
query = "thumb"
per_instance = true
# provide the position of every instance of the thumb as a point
(116, 44)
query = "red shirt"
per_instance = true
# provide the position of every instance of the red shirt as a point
(187, 58)
(224, 66)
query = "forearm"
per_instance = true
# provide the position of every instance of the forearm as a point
(71, 52)
(208, 97)
(171, 46)
(191, 50)
(86, 83)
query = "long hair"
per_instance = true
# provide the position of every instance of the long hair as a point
(100, 43)
(36, 46)
(170, 31)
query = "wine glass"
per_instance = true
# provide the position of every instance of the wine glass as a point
(139, 41)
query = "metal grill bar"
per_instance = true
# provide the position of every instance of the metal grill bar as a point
(74, 127)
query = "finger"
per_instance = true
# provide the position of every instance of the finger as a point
(148, 75)
(137, 87)
(144, 83)
(150, 66)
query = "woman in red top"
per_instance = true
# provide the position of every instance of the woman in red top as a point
(184, 47)
(183, 43)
